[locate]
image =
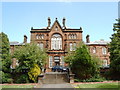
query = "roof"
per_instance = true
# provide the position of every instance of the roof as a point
(48, 29)
(99, 42)
(16, 43)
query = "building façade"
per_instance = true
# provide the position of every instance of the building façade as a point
(58, 40)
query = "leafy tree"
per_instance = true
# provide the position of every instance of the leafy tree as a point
(5, 59)
(81, 63)
(115, 51)
(29, 57)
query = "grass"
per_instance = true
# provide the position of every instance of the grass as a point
(98, 85)
(18, 86)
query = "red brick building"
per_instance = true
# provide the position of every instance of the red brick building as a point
(58, 40)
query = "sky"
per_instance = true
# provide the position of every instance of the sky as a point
(95, 18)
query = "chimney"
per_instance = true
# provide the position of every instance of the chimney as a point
(25, 39)
(87, 39)
(49, 22)
(63, 22)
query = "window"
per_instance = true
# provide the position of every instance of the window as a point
(104, 62)
(37, 36)
(72, 36)
(50, 61)
(41, 45)
(62, 60)
(56, 42)
(74, 46)
(71, 46)
(56, 58)
(69, 36)
(75, 36)
(104, 50)
(94, 49)
(42, 36)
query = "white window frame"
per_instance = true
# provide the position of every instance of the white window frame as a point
(74, 46)
(41, 45)
(71, 46)
(94, 50)
(62, 60)
(50, 61)
(104, 50)
(105, 62)
(37, 36)
(56, 42)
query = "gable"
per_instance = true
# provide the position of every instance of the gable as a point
(56, 27)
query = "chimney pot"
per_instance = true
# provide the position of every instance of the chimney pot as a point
(64, 22)
(49, 22)
(87, 39)
(25, 39)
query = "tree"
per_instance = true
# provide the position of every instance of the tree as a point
(29, 56)
(81, 63)
(115, 51)
(5, 59)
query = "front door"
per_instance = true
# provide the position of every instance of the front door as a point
(57, 60)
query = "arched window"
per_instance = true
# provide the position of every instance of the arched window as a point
(42, 36)
(75, 36)
(37, 36)
(72, 36)
(69, 36)
(104, 50)
(94, 50)
(56, 42)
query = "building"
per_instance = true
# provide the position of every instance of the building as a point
(58, 40)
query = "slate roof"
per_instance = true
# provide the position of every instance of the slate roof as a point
(99, 42)
(16, 43)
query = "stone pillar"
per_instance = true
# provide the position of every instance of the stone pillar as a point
(71, 77)
(40, 78)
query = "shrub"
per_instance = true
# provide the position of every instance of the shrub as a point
(23, 79)
(5, 77)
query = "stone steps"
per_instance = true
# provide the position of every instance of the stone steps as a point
(55, 78)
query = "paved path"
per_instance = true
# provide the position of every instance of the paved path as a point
(65, 85)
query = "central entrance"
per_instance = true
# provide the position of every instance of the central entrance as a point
(57, 60)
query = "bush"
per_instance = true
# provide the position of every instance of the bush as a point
(23, 79)
(5, 77)
(10, 80)
(93, 79)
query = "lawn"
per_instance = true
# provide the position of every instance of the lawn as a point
(98, 85)
(19, 86)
